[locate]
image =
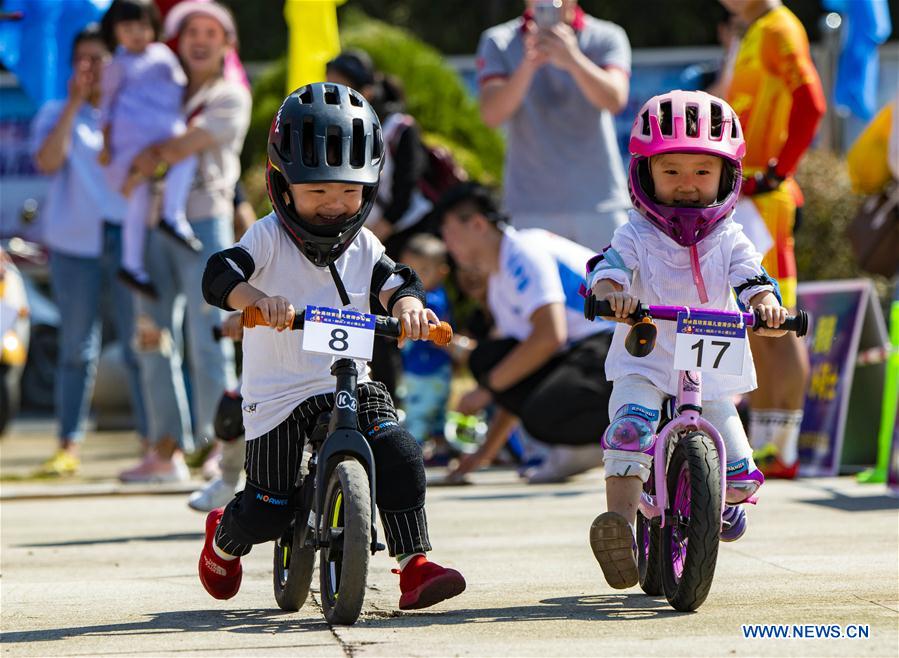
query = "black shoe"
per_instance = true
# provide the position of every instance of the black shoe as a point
(143, 287)
(190, 242)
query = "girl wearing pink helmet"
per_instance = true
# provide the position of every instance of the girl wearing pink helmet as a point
(679, 246)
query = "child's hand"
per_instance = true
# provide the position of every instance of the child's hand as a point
(770, 312)
(623, 303)
(277, 311)
(415, 319)
(773, 315)
(232, 327)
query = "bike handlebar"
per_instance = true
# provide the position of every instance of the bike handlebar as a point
(388, 327)
(594, 308)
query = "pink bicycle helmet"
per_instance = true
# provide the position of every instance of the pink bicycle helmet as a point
(685, 122)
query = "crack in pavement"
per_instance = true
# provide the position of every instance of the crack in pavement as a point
(880, 605)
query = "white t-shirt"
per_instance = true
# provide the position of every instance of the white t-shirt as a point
(277, 374)
(660, 273)
(537, 268)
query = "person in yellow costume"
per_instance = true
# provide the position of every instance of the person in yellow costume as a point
(776, 91)
(873, 160)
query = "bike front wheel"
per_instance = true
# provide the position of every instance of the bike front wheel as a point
(343, 567)
(690, 536)
(293, 565)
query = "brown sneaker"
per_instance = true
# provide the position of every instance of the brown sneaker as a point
(614, 546)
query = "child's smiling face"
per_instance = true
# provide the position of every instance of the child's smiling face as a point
(686, 179)
(326, 204)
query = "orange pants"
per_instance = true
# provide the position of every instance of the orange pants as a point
(778, 209)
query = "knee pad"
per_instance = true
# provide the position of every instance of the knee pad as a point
(743, 480)
(628, 442)
(228, 422)
(399, 468)
(631, 430)
(258, 515)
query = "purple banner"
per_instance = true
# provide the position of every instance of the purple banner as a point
(837, 309)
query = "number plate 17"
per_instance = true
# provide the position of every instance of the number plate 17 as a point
(708, 342)
(344, 333)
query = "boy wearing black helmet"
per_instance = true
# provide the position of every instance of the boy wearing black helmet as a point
(325, 155)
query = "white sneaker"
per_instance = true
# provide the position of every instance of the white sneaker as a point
(564, 461)
(216, 494)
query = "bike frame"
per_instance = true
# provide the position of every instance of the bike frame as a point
(688, 418)
(343, 439)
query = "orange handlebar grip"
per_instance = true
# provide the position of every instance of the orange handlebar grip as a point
(440, 334)
(252, 317)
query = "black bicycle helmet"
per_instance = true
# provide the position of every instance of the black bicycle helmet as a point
(323, 133)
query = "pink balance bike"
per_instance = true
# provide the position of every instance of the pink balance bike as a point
(679, 519)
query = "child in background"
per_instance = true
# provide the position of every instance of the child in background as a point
(680, 246)
(427, 368)
(229, 453)
(142, 94)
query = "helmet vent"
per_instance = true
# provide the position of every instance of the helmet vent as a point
(284, 146)
(332, 96)
(691, 115)
(717, 116)
(357, 144)
(333, 150)
(734, 130)
(355, 99)
(307, 141)
(645, 119)
(665, 118)
(306, 97)
(377, 144)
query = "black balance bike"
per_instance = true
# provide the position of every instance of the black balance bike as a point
(333, 505)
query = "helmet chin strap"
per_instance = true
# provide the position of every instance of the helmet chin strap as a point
(341, 289)
(697, 275)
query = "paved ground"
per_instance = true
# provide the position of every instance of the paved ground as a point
(116, 575)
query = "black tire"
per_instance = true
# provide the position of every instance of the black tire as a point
(343, 567)
(293, 566)
(697, 459)
(649, 558)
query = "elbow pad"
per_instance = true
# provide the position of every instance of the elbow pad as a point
(749, 288)
(224, 270)
(411, 286)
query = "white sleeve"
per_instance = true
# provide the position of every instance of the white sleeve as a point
(259, 242)
(746, 275)
(617, 262)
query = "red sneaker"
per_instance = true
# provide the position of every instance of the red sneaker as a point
(777, 470)
(769, 463)
(221, 578)
(424, 583)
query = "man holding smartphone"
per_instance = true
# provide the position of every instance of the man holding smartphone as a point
(556, 76)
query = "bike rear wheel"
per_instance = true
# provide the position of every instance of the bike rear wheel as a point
(293, 565)
(690, 537)
(649, 539)
(343, 567)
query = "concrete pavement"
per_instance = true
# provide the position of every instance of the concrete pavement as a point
(116, 575)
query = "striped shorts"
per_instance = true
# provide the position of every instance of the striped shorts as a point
(273, 461)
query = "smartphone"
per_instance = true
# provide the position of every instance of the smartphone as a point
(547, 13)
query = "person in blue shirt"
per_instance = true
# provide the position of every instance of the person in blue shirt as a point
(427, 368)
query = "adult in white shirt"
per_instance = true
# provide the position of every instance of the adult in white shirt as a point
(546, 369)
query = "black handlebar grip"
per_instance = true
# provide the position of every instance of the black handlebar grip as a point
(798, 323)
